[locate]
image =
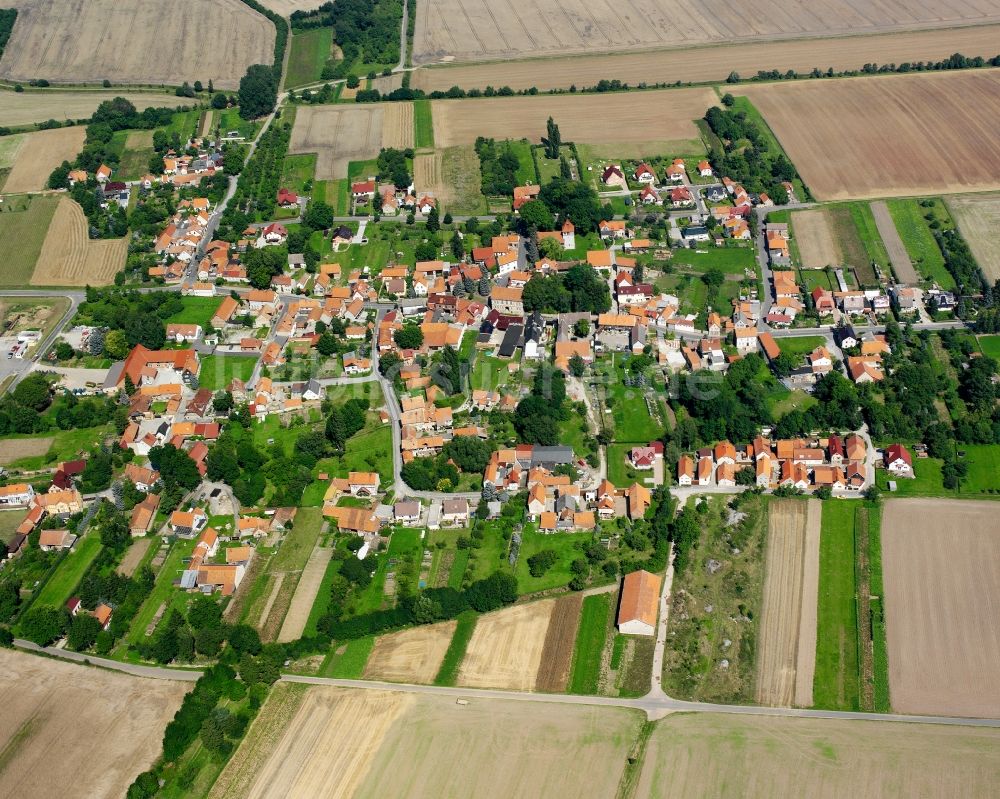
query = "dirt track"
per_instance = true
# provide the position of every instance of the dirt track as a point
(506, 647)
(866, 138)
(941, 570)
(40, 154)
(786, 646)
(814, 237)
(135, 41)
(66, 730)
(133, 557)
(411, 656)
(898, 257)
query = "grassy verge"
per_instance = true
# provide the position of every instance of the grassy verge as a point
(835, 682)
(448, 673)
(880, 651)
(585, 671)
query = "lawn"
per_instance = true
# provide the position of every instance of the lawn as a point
(990, 345)
(197, 311)
(347, 661)
(574, 432)
(836, 679)
(134, 148)
(585, 672)
(781, 404)
(309, 54)
(164, 590)
(630, 413)
(731, 260)
(448, 672)
(297, 171)
(864, 221)
(69, 572)
(526, 170)
(799, 346)
(322, 601)
(923, 250)
(489, 373)
(423, 124)
(620, 471)
(66, 445)
(230, 121)
(983, 461)
(298, 543)
(23, 226)
(567, 549)
(218, 371)
(10, 520)
(927, 480)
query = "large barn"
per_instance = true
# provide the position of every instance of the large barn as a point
(637, 608)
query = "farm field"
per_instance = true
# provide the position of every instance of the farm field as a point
(43, 698)
(26, 108)
(286, 7)
(474, 30)
(814, 237)
(71, 41)
(786, 649)
(710, 62)
(43, 151)
(338, 135)
(295, 620)
(410, 656)
(908, 217)
(70, 258)
(397, 126)
(978, 218)
(24, 224)
(506, 647)
(941, 566)
(898, 256)
(329, 742)
(663, 121)
(841, 155)
(710, 755)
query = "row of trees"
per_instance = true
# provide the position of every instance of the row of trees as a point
(746, 156)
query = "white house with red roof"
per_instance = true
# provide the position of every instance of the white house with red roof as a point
(898, 460)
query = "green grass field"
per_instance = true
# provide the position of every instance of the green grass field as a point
(731, 260)
(836, 681)
(423, 124)
(919, 241)
(10, 520)
(567, 549)
(23, 225)
(347, 661)
(990, 345)
(526, 170)
(632, 421)
(800, 345)
(69, 572)
(864, 221)
(591, 635)
(620, 471)
(448, 672)
(163, 591)
(197, 311)
(230, 121)
(489, 373)
(310, 51)
(297, 170)
(217, 371)
(65, 445)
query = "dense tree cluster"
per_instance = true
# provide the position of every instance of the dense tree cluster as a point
(538, 415)
(257, 189)
(498, 165)
(579, 288)
(578, 202)
(746, 157)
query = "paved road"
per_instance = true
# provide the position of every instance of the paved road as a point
(19, 367)
(153, 672)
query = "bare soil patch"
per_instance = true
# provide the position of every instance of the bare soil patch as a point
(411, 656)
(16, 448)
(709, 755)
(930, 128)
(136, 552)
(817, 246)
(388, 83)
(470, 30)
(28, 107)
(979, 219)
(658, 116)
(330, 744)
(305, 595)
(898, 257)
(106, 727)
(941, 569)
(397, 125)
(70, 258)
(40, 154)
(787, 638)
(87, 41)
(506, 648)
(338, 135)
(560, 640)
(711, 62)
(501, 748)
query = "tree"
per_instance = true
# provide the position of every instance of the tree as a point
(222, 402)
(581, 328)
(83, 631)
(541, 562)
(219, 101)
(552, 140)
(577, 366)
(535, 214)
(43, 625)
(471, 454)
(318, 216)
(115, 345)
(244, 638)
(408, 337)
(457, 246)
(33, 392)
(433, 220)
(258, 93)
(327, 344)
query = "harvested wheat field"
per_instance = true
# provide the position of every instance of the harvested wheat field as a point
(134, 41)
(650, 117)
(305, 595)
(898, 257)
(506, 648)
(786, 644)
(756, 757)
(470, 30)
(70, 258)
(106, 727)
(410, 656)
(16, 448)
(560, 641)
(329, 746)
(338, 135)
(397, 125)
(502, 748)
(43, 151)
(706, 63)
(286, 7)
(930, 128)
(28, 107)
(818, 248)
(427, 169)
(979, 219)
(941, 570)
